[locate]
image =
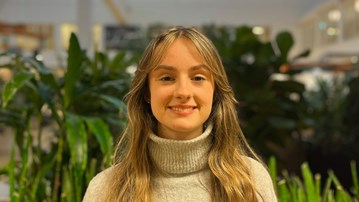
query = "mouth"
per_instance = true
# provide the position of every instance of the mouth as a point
(182, 109)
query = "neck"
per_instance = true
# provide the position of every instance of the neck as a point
(181, 156)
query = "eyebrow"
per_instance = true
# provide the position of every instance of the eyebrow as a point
(171, 68)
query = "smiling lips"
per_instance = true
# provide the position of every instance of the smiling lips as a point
(182, 109)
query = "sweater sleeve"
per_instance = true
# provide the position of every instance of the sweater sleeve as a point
(96, 188)
(263, 182)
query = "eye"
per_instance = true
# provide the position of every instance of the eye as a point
(166, 78)
(198, 78)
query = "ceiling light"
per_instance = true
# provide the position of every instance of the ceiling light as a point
(334, 15)
(258, 30)
(356, 5)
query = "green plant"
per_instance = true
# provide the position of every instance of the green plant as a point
(326, 105)
(333, 110)
(271, 111)
(351, 117)
(292, 188)
(82, 109)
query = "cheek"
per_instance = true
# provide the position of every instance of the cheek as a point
(159, 98)
(206, 98)
(159, 94)
(153, 90)
(209, 93)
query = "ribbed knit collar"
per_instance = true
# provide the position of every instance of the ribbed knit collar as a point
(181, 156)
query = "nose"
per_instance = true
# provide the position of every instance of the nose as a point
(183, 89)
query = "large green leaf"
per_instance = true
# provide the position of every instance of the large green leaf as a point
(342, 194)
(272, 166)
(117, 61)
(25, 165)
(74, 62)
(116, 84)
(77, 140)
(264, 55)
(285, 42)
(355, 178)
(40, 175)
(113, 100)
(309, 183)
(12, 176)
(50, 80)
(14, 85)
(68, 189)
(284, 191)
(103, 135)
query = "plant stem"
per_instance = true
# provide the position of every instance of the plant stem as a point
(39, 133)
(58, 168)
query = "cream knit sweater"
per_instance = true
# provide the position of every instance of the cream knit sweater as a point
(188, 178)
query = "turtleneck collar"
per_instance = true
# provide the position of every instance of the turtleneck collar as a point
(181, 156)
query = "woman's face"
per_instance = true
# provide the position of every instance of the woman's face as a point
(181, 92)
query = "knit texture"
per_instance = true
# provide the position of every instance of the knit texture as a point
(185, 172)
(186, 176)
(180, 156)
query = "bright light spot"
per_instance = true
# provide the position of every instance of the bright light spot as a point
(331, 31)
(334, 15)
(354, 59)
(279, 77)
(316, 72)
(248, 58)
(39, 57)
(294, 97)
(356, 5)
(131, 69)
(258, 30)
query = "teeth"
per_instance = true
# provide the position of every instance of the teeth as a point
(181, 109)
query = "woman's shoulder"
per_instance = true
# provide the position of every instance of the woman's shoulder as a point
(255, 166)
(259, 172)
(262, 180)
(97, 186)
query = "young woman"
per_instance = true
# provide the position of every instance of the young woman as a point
(183, 141)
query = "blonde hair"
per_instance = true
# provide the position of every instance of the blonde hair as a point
(133, 169)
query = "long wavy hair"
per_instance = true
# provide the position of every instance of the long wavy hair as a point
(132, 170)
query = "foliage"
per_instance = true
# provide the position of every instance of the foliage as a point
(82, 110)
(270, 110)
(292, 188)
(351, 117)
(333, 112)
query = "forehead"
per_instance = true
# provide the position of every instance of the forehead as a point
(191, 45)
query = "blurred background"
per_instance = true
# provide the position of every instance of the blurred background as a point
(328, 28)
(293, 65)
